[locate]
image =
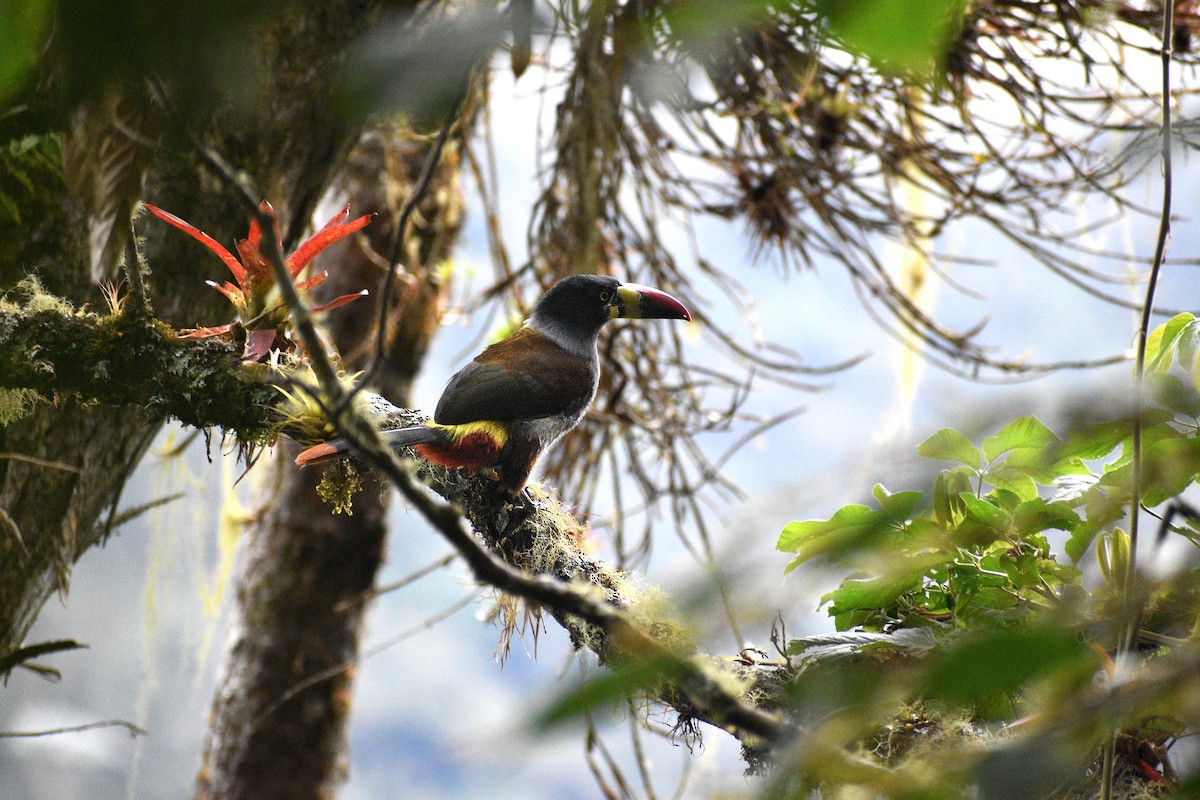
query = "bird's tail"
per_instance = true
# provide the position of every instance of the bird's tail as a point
(399, 437)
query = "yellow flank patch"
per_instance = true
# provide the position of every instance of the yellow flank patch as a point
(492, 428)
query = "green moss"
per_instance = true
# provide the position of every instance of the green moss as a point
(30, 296)
(338, 486)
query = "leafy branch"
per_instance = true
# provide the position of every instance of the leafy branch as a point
(959, 591)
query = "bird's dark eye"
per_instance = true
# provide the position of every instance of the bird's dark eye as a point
(605, 297)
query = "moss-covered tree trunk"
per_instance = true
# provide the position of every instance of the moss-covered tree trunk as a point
(280, 711)
(65, 465)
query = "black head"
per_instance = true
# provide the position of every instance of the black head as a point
(576, 308)
(580, 301)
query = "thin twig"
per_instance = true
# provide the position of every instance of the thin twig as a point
(134, 730)
(1131, 603)
(407, 580)
(1139, 368)
(418, 193)
(40, 462)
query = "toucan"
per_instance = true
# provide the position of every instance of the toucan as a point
(524, 392)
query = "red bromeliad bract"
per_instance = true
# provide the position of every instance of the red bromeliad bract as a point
(261, 313)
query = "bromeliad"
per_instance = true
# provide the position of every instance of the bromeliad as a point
(262, 316)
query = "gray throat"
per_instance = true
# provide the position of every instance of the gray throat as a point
(569, 338)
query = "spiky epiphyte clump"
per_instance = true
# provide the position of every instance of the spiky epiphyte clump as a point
(301, 416)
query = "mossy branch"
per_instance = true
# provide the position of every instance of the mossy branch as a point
(541, 560)
(125, 360)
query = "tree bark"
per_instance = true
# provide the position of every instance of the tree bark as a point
(280, 712)
(59, 512)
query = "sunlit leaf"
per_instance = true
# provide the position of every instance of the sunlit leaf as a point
(1023, 432)
(1034, 516)
(1013, 480)
(986, 513)
(949, 488)
(1163, 340)
(903, 575)
(1101, 509)
(907, 37)
(1095, 440)
(899, 505)
(950, 445)
(1187, 347)
(849, 528)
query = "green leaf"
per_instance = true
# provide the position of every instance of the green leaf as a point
(906, 37)
(1044, 465)
(1170, 392)
(1162, 341)
(1035, 516)
(1095, 440)
(607, 691)
(1170, 466)
(950, 445)
(1020, 433)
(980, 666)
(24, 26)
(1101, 509)
(948, 489)
(1013, 480)
(899, 506)
(1187, 347)
(985, 513)
(700, 21)
(903, 575)
(849, 528)
(1005, 499)
(869, 593)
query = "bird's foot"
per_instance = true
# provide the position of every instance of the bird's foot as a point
(520, 510)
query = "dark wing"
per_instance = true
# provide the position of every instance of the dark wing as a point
(523, 377)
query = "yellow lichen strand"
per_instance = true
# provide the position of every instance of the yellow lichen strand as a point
(16, 404)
